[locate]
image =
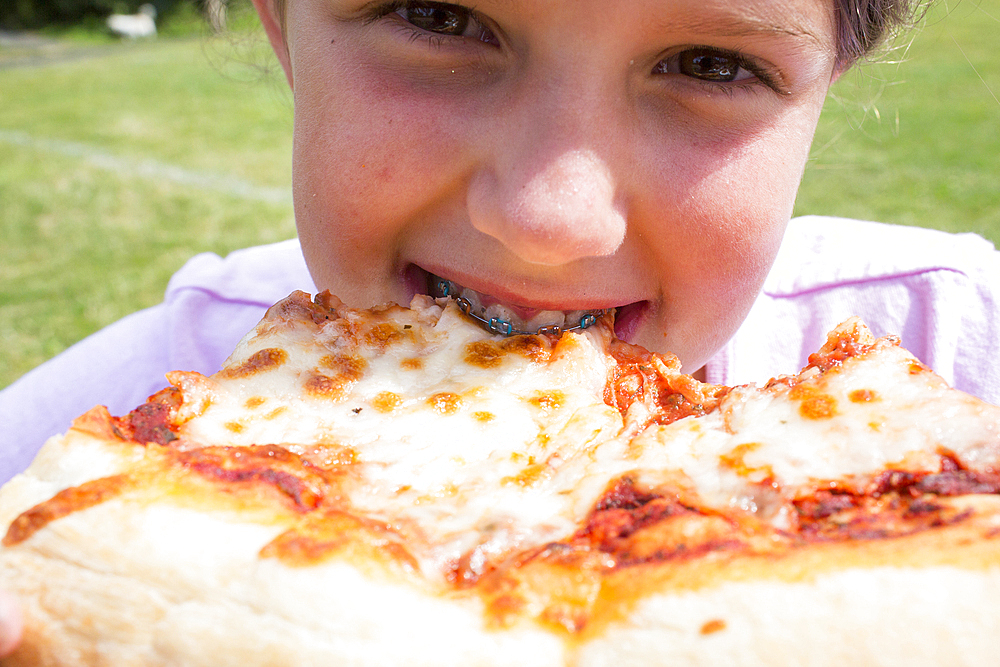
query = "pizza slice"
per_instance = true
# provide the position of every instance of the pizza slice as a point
(399, 486)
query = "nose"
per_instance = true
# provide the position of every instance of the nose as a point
(548, 195)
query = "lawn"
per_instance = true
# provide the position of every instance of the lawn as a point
(123, 160)
(917, 142)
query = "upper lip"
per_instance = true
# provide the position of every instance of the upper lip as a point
(521, 301)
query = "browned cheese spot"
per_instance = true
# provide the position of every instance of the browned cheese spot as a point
(484, 354)
(259, 362)
(339, 534)
(734, 461)
(412, 364)
(387, 401)
(916, 368)
(528, 476)
(383, 335)
(235, 427)
(483, 416)
(445, 402)
(335, 386)
(535, 348)
(863, 396)
(254, 402)
(346, 368)
(324, 386)
(277, 412)
(332, 456)
(814, 404)
(712, 626)
(548, 400)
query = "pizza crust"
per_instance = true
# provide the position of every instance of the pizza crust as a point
(189, 588)
(207, 607)
(883, 616)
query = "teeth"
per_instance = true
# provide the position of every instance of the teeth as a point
(504, 313)
(547, 318)
(473, 298)
(542, 319)
(502, 317)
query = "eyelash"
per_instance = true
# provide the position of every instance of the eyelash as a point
(419, 34)
(762, 76)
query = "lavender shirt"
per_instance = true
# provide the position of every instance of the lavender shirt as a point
(940, 292)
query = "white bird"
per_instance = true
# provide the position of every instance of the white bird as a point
(134, 26)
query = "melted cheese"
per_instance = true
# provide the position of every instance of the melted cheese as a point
(459, 436)
(475, 447)
(881, 410)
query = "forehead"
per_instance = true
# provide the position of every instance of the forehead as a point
(807, 20)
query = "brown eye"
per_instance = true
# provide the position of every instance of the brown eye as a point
(447, 20)
(436, 17)
(704, 65)
(709, 66)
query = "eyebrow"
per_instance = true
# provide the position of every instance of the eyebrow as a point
(745, 25)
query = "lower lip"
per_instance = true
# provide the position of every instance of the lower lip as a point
(628, 319)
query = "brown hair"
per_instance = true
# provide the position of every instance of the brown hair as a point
(865, 25)
(862, 25)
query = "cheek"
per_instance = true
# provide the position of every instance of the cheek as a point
(730, 195)
(361, 135)
(721, 205)
(343, 143)
(353, 188)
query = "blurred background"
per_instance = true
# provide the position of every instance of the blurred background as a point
(121, 157)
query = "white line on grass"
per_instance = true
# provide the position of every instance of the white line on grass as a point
(151, 169)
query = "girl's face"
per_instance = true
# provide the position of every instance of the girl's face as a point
(556, 155)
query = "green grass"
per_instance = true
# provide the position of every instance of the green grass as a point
(917, 142)
(82, 245)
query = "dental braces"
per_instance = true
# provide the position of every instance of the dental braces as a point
(498, 325)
